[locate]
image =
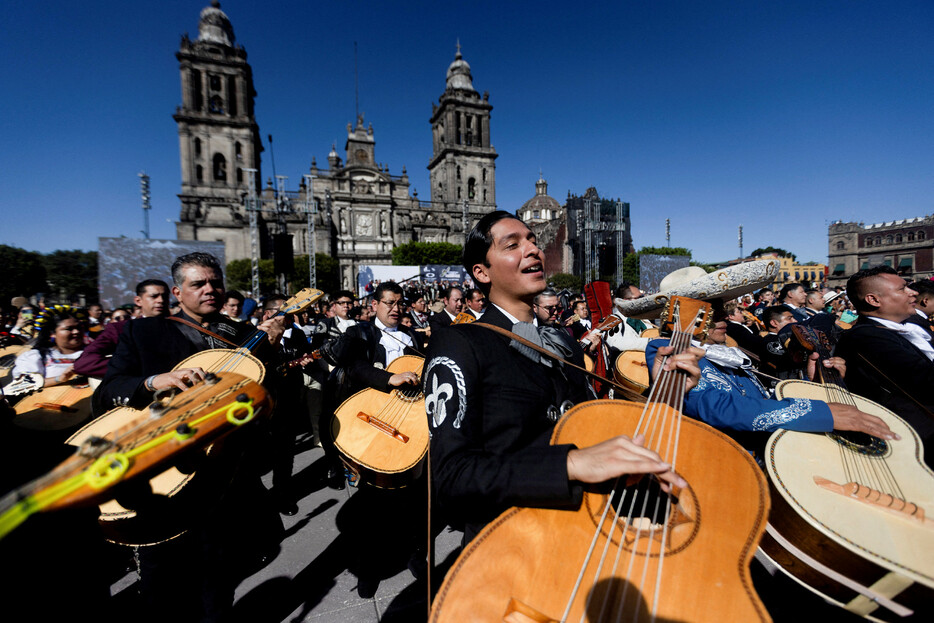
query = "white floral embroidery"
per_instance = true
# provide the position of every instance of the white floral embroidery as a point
(710, 376)
(798, 408)
(442, 392)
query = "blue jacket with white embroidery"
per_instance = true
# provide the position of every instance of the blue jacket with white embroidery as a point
(728, 399)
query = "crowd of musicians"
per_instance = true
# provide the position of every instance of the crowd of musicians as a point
(504, 356)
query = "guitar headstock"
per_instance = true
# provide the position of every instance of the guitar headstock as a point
(302, 300)
(464, 318)
(812, 339)
(684, 315)
(24, 384)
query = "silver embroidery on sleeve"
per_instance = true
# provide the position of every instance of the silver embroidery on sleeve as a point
(441, 392)
(710, 376)
(799, 407)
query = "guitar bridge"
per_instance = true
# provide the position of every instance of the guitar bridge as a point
(873, 497)
(53, 406)
(383, 427)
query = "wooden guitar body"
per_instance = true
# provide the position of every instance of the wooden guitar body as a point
(238, 360)
(631, 371)
(175, 491)
(57, 408)
(384, 437)
(853, 529)
(651, 332)
(523, 566)
(112, 465)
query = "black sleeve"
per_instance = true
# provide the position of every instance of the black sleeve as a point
(123, 384)
(474, 477)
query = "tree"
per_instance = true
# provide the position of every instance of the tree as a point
(327, 278)
(72, 274)
(421, 253)
(239, 275)
(770, 249)
(24, 273)
(565, 281)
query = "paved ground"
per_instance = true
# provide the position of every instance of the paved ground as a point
(308, 579)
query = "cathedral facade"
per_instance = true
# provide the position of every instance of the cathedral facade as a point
(358, 210)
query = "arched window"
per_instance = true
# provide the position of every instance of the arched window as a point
(217, 104)
(458, 172)
(911, 236)
(535, 214)
(878, 240)
(888, 239)
(471, 188)
(484, 175)
(238, 151)
(484, 195)
(239, 175)
(921, 235)
(898, 238)
(868, 242)
(197, 148)
(220, 168)
(841, 245)
(199, 173)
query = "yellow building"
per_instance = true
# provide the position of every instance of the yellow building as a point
(811, 276)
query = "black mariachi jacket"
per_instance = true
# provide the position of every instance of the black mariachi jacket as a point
(490, 412)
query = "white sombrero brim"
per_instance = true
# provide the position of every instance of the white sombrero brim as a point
(726, 283)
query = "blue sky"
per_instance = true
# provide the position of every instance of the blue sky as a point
(778, 116)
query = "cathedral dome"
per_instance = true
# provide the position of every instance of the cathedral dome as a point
(214, 25)
(459, 73)
(541, 206)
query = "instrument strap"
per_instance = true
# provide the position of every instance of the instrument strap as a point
(867, 592)
(627, 393)
(203, 330)
(896, 385)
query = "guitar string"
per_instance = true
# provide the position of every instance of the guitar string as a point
(669, 386)
(44, 481)
(874, 471)
(662, 413)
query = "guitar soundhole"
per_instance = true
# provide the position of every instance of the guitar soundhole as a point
(861, 442)
(409, 393)
(644, 512)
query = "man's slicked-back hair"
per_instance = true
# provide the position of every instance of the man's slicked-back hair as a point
(788, 287)
(546, 292)
(771, 313)
(197, 258)
(446, 293)
(858, 286)
(478, 243)
(142, 285)
(922, 287)
(387, 286)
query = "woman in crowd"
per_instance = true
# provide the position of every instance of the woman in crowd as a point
(60, 330)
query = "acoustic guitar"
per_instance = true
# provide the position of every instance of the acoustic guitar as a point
(383, 438)
(172, 427)
(632, 551)
(130, 525)
(57, 408)
(850, 511)
(630, 370)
